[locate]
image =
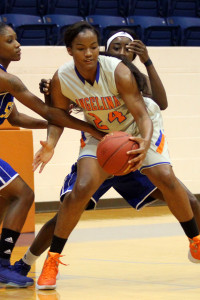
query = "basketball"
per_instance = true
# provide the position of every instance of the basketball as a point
(112, 152)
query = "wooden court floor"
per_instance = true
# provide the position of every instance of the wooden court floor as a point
(117, 255)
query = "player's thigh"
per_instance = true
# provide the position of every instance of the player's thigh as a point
(89, 174)
(162, 176)
(15, 189)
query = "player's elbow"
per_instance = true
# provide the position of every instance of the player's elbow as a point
(14, 121)
(163, 106)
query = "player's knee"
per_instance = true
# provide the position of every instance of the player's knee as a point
(83, 186)
(168, 180)
(81, 190)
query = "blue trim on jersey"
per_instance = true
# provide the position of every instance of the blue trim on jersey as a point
(79, 75)
(98, 72)
(83, 135)
(159, 139)
(83, 79)
(153, 165)
(7, 173)
(2, 68)
(69, 181)
(86, 155)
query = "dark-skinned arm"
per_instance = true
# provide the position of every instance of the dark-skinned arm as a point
(58, 100)
(156, 90)
(128, 89)
(45, 153)
(22, 120)
(57, 116)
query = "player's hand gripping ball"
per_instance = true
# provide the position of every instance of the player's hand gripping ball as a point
(112, 152)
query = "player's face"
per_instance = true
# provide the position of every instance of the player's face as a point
(85, 50)
(9, 46)
(118, 46)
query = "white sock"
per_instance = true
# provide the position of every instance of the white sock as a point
(29, 258)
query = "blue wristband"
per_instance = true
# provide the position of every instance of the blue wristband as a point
(148, 63)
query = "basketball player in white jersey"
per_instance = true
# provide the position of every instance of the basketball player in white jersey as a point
(98, 84)
(14, 192)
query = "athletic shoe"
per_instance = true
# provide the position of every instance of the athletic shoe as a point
(194, 252)
(21, 267)
(10, 278)
(47, 279)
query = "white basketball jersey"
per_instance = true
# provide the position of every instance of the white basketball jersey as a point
(104, 108)
(101, 102)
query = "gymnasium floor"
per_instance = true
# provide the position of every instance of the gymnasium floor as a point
(118, 254)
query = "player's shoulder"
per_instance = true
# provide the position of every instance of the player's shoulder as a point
(10, 83)
(108, 60)
(108, 64)
(66, 66)
(6, 78)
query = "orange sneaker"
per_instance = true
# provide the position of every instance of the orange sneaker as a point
(194, 252)
(47, 279)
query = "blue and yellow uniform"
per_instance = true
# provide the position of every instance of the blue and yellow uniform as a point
(7, 173)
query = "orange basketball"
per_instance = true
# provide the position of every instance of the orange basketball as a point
(112, 152)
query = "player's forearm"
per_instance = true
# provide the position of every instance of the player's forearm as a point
(53, 135)
(145, 126)
(55, 115)
(47, 99)
(26, 121)
(32, 123)
(157, 88)
(36, 124)
(66, 120)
